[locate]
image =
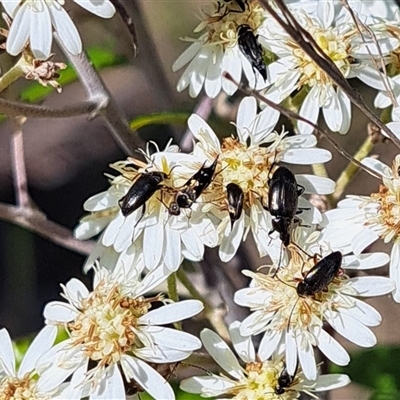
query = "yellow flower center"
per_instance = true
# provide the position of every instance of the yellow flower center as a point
(12, 388)
(387, 220)
(222, 26)
(261, 382)
(299, 312)
(335, 46)
(107, 324)
(248, 167)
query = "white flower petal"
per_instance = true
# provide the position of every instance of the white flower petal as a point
(306, 156)
(232, 64)
(19, 31)
(91, 227)
(362, 240)
(231, 243)
(65, 28)
(372, 285)
(330, 381)
(174, 339)
(221, 353)
(159, 354)
(172, 312)
(246, 113)
(309, 110)
(149, 379)
(76, 291)
(213, 383)
(7, 357)
(10, 7)
(345, 106)
(378, 166)
(269, 343)
(365, 261)
(172, 249)
(316, 184)
(243, 345)
(362, 312)
(351, 329)
(394, 271)
(110, 387)
(332, 349)
(307, 360)
(41, 33)
(291, 352)
(187, 56)
(255, 323)
(101, 8)
(42, 343)
(213, 83)
(202, 131)
(153, 245)
(332, 111)
(74, 389)
(193, 244)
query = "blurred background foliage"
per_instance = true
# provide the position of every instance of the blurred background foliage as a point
(66, 160)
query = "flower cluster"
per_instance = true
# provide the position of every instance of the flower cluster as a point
(124, 336)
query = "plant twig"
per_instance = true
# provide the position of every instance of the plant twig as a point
(106, 106)
(15, 108)
(18, 163)
(36, 221)
(307, 43)
(127, 20)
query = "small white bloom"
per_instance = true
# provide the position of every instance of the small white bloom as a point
(24, 383)
(164, 239)
(257, 378)
(115, 337)
(289, 316)
(248, 162)
(34, 20)
(217, 51)
(294, 69)
(361, 220)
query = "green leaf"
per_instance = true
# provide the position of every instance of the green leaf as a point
(159, 119)
(378, 369)
(100, 58)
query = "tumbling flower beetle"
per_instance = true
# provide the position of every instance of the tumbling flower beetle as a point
(284, 381)
(320, 275)
(193, 188)
(283, 196)
(235, 198)
(141, 190)
(251, 48)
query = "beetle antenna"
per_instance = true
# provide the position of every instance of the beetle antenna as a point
(279, 261)
(291, 313)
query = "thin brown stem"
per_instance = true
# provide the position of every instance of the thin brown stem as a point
(106, 106)
(18, 163)
(15, 108)
(36, 221)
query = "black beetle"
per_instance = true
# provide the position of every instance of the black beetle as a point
(193, 188)
(284, 381)
(320, 275)
(283, 196)
(235, 198)
(141, 190)
(251, 48)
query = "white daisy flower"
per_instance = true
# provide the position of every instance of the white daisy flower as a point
(294, 70)
(115, 337)
(358, 221)
(248, 162)
(290, 306)
(253, 376)
(34, 20)
(24, 383)
(217, 51)
(164, 239)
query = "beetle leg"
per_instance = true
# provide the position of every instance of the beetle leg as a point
(142, 215)
(300, 189)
